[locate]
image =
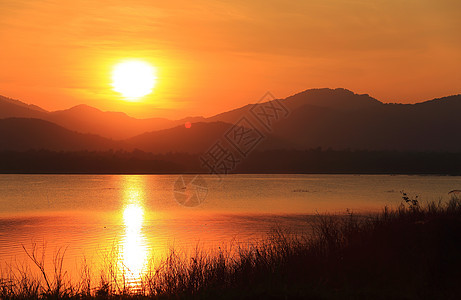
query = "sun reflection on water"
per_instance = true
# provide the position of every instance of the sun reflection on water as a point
(134, 252)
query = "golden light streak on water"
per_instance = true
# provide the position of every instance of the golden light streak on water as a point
(133, 251)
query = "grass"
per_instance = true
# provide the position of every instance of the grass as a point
(410, 252)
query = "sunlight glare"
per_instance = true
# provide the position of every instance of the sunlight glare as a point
(133, 217)
(134, 245)
(133, 79)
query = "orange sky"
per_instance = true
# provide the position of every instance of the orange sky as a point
(217, 55)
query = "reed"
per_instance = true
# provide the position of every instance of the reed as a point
(410, 252)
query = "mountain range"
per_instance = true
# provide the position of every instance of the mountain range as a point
(328, 118)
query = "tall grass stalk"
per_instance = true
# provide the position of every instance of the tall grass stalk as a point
(408, 252)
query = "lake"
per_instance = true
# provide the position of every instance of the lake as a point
(142, 216)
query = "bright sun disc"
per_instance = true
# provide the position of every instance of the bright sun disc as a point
(133, 79)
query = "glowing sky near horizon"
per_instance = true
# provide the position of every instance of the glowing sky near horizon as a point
(212, 56)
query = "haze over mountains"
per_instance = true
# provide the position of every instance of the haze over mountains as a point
(86, 119)
(335, 118)
(21, 134)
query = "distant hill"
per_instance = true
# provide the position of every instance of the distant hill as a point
(115, 125)
(21, 134)
(338, 99)
(87, 119)
(196, 139)
(327, 118)
(14, 108)
(340, 119)
(335, 99)
(21, 104)
(428, 126)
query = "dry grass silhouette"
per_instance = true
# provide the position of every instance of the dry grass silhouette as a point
(411, 252)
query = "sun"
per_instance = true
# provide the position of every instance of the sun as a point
(133, 79)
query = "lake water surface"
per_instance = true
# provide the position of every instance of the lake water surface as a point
(142, 216)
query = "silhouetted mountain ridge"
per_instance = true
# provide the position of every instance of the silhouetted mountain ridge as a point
(21, 104)
(338, 99)
(14, 108)
(87, 119)
(21, 134)
(328, 118)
